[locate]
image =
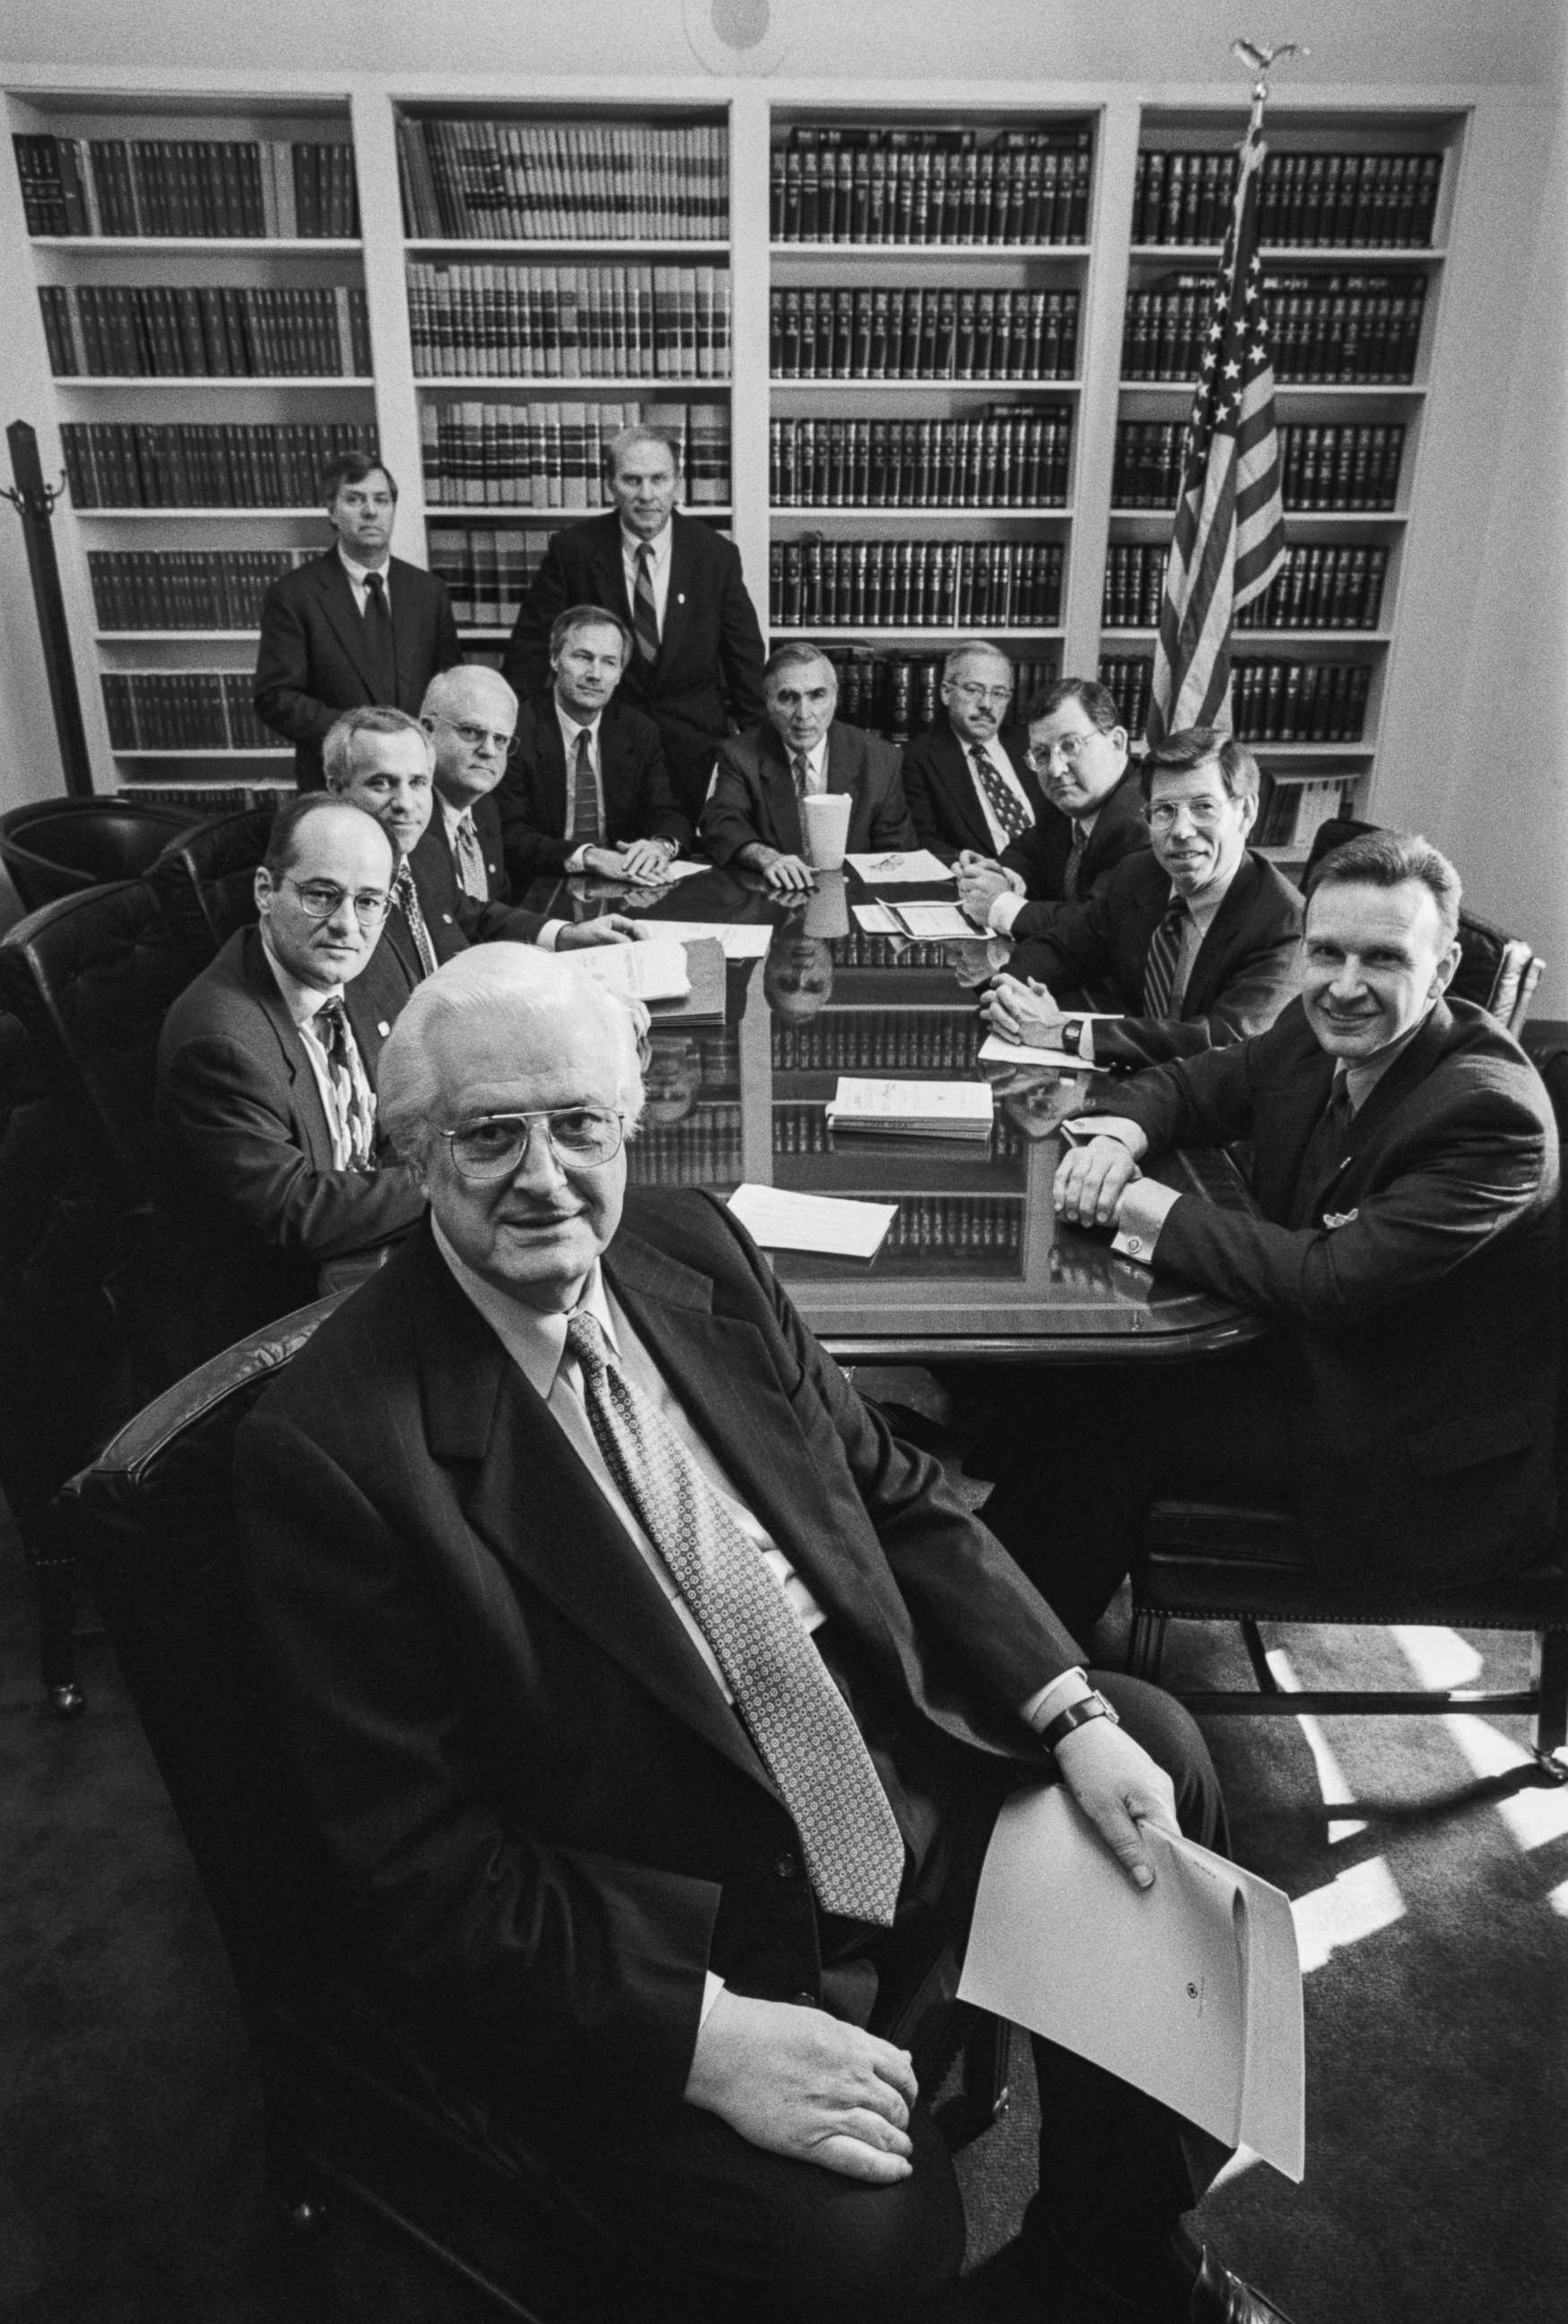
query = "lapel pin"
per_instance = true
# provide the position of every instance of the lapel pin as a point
(680, 596)
(383, 1027)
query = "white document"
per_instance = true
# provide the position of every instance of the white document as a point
(652, 969)
(876, 921)
(993, 1051)
(781, 1221)
(959, 1108)
(741, 939)
(1190, 1991)
(928, 921)
(901, 864)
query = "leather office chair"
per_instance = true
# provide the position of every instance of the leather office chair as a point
(1201, 1562)
(57, 847)
(348, 2098)
(1497, 971)
(204, 880)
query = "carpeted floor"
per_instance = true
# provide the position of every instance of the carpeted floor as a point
(1430, 1893)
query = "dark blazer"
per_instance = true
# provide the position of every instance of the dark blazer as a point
(707, 680)
(1416, 1279)
(453, 919)
(518, 1759)
(944, 807)
(1041, 860)
(309, 664)
(753, 793)
(1247, 966)
(533, 793)
(252, 1204)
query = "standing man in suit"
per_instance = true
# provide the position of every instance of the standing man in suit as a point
(1078, 749)
(1404, 1161)
(752, 815)
(970, 786)
(356, 625)
(384, 762)
(586, 788)
(270, 1160)
(695, 668)
(654, 1705)
(1194, 940)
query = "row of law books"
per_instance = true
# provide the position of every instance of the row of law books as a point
(910, 584)
(207, 188)
(1312, 201)
(1318, 588)
(1348, 466)
(552, 454)
(1013, 455)
(185, 588)
(703, 1150)
(487, 569)
(213, 797)
(963, 1226)
(173, 331)
(1357, 328)
(113, 463)
(183, 710)
(470, 179)
(1294, 808)
(1271, 701)
(859, 951)
(877, 1040)
(937, 333)
(569, 322)
(880, 185)
(900, 696)
(801, 1126)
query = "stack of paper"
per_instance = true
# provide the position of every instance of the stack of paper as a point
(783, 1220)
(899, 866)
(912, 1108)
(650, 970)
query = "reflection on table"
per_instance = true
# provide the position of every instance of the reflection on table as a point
(975, 1261)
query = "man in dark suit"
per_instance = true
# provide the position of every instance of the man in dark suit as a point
(384, 762)
(753, 815)
(655, 1703)
(970, 786)
(586, 788)
(1194, 941)
(1404, 1161)
(696, 663)
(356, 625)
(1078, 749)
(272, 1167)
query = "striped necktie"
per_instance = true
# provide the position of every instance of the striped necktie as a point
(1159, 968)
(405, 893)
(644, 609)
(1008, 809)
(472, 875)
(1073, 871)
(801, 1725)
(351, 1092)
(586, 819)
(378, 639)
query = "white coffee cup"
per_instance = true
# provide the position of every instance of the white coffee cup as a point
(825, 828)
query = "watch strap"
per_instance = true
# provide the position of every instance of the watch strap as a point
(1077, 1714)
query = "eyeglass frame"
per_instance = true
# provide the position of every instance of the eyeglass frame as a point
(992, 694)
(546, 1114)
(467, 732)
(1205, 812)
(1071, 746)
(340, 896)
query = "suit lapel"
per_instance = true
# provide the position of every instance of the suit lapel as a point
(958, 770)
(677, 597)
(783, 808)
(407, 624)
(610, 567)
(304, 1091)
(344, 615)
(615, 776)
(1222, 929)
(550, 768)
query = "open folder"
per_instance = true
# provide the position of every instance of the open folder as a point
(1190, 1991)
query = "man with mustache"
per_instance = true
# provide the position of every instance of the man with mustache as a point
(970, 784)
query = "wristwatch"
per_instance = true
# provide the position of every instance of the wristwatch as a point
(1077, 1714)
(1072, 1034)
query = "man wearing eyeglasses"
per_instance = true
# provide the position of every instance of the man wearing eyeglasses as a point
(1078, 754)
(273, 1170)
(654, 1703)
(1189, 946)
(970, 787)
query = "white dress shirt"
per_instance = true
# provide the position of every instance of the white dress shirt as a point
(451, 816)
(357, 574)
(302, 1002)
(570, 729)
(1001, 766)
(1203, 905)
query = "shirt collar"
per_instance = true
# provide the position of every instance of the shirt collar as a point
(1207, 900)
(535, 1341)
(630, 542)
(451, 816)
(1363, 1078)
(302, 1001)
(571, 726)
(360, 573)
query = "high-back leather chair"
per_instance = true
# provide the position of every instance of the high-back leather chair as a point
(204, 880)
(57, 847)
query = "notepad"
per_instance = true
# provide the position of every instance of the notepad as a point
(741, 939)
(912, 1108)
(901, 864)
(652, 969)
(783, 1220)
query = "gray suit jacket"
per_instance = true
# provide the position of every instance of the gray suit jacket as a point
(752, 797)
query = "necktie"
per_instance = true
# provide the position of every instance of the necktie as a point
(1009, 810)
(1325, 1150)
(1072, 871)
(471, 873)
(351, 1093)
(645, 611)
(800, 766)
(378, 639)
(800, 1723)
(405, 893)
(1159, 968)
(586, 830)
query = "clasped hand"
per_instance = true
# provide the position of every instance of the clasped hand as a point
(1023, 1013)
(640, 860)
(610, 928)
(981, 882)
(1091, 1180)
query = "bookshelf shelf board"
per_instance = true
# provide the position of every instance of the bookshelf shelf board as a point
(479, 630)
(218, 750)
(167, 637)
(1057, 512)
(1242, 641)
(250, 244)
(204, 379)
(948, 250)
(1289, 390)
(525, 513)
(474, 384)
(611, 246)
(1052, 387)
(1340, 752)
(191, 515)
(856, 633)
(1342, 257)
(1298, 520)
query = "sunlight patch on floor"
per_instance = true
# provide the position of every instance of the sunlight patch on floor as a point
(1355, 1905)
(1437, 1656)
(1331, 1777)
(1533, 1817)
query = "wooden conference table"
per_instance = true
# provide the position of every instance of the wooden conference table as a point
(975, 1263)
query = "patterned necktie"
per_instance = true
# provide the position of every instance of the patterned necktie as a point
(801, 1725)
(1324, 1151)
(1073, 870)
(351, 1092)
(472, 876)
(378, 639)
(405, 893)
(801, 768)
(586, 830)
(644, 609)
(1009, 810)
(1160, 967)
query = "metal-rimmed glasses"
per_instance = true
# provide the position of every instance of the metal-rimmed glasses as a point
(1205, 813)
(322, 897)
(1071, 746)
(474, 737)
(996, 696)
(580, 1138)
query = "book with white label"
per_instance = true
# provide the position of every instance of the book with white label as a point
(891, 1108)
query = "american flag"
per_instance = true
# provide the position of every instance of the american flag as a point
(1228, 540)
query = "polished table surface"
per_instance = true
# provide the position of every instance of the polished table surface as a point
(975, 1262)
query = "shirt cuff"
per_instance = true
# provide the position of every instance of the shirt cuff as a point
(1105, 1125)
(577, 861)
(1068, 1687)
(549, 935)
(712, 1988)
(1140, 1215)
(1004, 910)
